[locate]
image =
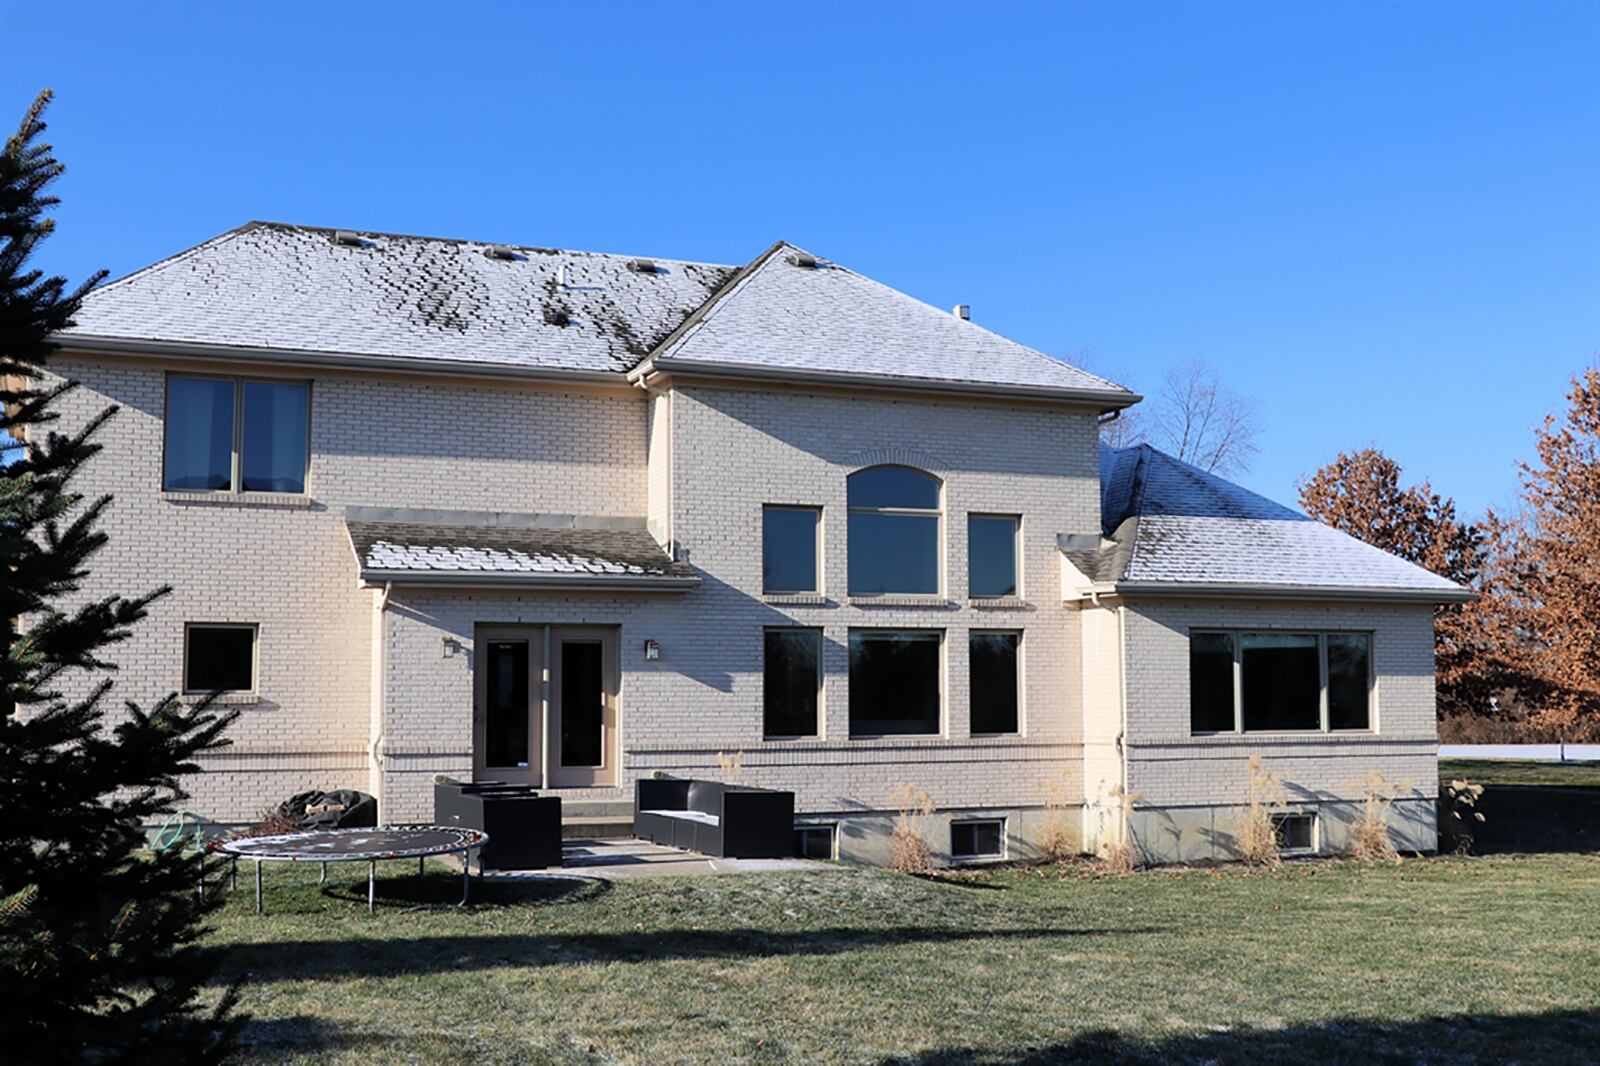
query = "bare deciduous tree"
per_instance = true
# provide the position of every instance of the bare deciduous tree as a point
(1196, 418)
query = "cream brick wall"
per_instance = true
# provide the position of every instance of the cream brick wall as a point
(291, 570)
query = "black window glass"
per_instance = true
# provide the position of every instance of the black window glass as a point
(220, 657)
(992, 661)
(272, 457)
(789, 683)
(1282, 681)
(1211, 682)
(813, 842)
(893, 486)
(506, 710)
(894, 683)
(893, 553)
(1293, 831)
(1349, 671)
(582, 702)
(991, 556)
(199, 435)
(976, 839)
(789, 549)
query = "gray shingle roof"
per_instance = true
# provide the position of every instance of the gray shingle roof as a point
(292, 288)
(1168, 523)
(779, 316)
(475, 549)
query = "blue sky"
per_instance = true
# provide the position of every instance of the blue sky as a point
(1381, 220)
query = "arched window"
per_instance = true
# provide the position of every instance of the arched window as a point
(894, 531)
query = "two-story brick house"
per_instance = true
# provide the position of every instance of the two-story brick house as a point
(435, 506)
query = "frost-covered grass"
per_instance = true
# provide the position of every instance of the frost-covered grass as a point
(1434, 960)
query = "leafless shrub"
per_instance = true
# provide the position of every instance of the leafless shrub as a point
(1464, 816)
(908, 847)
(1118, 855)
(1369, 836)
(1257, 833)
(1057, 841)
(732, 767)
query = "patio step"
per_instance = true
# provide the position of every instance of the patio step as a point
(597, 826)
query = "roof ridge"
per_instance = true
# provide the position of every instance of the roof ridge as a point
(713, 303)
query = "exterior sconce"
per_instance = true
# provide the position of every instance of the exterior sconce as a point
(652, 650)
(452, 647)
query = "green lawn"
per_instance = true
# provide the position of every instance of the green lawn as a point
(1521, 772)
(1436, 960)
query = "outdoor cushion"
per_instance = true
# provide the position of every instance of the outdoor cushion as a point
(694, 816)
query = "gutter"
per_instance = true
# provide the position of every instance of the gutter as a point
(1107, 401)
(1235, 590)
(552, 582)
(97, 345)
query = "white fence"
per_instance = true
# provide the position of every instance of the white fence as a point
(1537, 752)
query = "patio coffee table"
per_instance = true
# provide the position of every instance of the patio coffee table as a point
(358, 845)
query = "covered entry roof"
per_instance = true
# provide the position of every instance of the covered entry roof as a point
(464, 549)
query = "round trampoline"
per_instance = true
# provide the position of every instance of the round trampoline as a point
(358, 845)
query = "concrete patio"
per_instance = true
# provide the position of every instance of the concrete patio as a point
(617, 859)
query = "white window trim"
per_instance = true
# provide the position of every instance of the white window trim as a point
(831, 828)
(998, 856)
(236, 476)
(1323, 728)
(1315, 847)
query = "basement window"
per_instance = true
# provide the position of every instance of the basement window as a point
(1295, 832)
(219, 657)
(814, 842)
(978, 838)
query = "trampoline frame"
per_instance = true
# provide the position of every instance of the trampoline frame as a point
(259, 850)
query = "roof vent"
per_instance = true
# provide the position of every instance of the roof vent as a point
(645, 266)
(804, 261)
(962, 311)
(346, 239)
(500, 251)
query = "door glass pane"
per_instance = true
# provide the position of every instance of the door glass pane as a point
(991, 556)
(1348, 681)
(199, 438)
(894, 553)
(894, 683)
(1211, 683)
(582, 702)
(1282, 686)
(789, 683)
(273, 456)
(789, 549)
(992, 672)
(506, 723)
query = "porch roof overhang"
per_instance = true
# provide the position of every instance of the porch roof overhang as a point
(485, 550)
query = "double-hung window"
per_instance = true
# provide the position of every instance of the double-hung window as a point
(236, 435)
(894, 532)
(1278, 682)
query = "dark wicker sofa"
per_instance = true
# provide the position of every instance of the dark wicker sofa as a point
(726, 821)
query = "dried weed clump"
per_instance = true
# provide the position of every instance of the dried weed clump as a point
(1118, 855)
(1057, 841)
(1369, 836)
(908, 847)
(1257, 831)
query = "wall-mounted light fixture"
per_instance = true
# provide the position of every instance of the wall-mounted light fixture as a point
(652, 650)
(452, 647)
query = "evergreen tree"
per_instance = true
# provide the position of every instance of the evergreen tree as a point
(99, 960)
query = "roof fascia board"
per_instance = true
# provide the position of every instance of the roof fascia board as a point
(725, 372)
(290, 357)
(1220, 590)
(492, 580)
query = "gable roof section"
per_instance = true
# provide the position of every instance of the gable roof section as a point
(782, 320)
(272, 287)
(1171, 527)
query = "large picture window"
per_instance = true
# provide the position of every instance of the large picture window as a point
(791, 680)
(894, 532)
(789, 549)
(895, 682)
(1279, 682)
(231, 435)
(992, 663)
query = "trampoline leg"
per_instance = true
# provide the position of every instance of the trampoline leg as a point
(324, 878)
(234, 874)
(258, 886)
(421, 872)
(372, 886)
(466, 876)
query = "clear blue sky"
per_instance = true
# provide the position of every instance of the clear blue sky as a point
(1383, 220)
